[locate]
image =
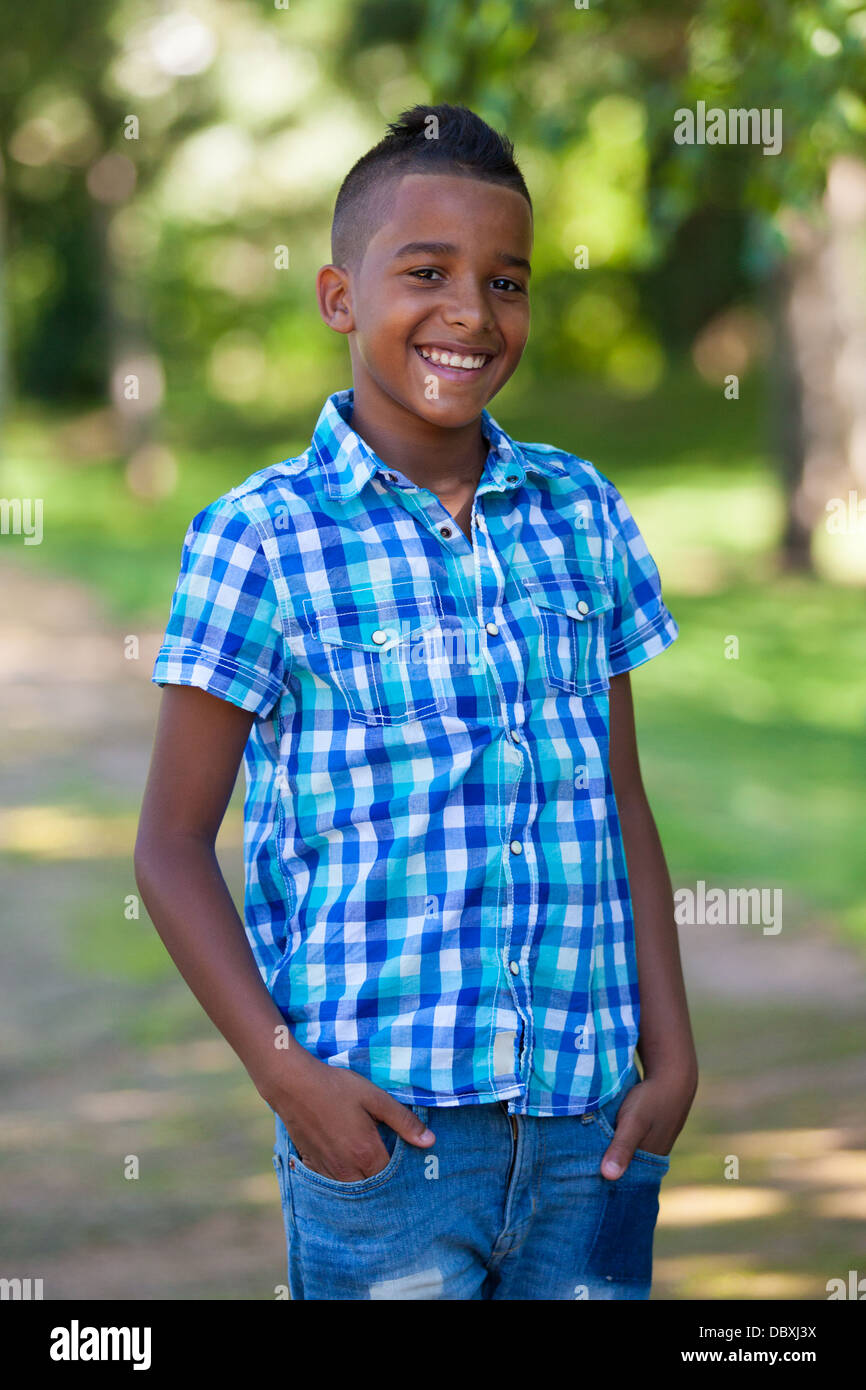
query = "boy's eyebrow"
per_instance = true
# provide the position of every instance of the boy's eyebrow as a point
(447, 248)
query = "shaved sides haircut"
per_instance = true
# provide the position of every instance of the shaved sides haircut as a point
(425, 140)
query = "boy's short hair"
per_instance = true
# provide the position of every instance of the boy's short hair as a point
(426, 139)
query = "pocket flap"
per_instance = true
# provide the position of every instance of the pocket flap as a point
(372, 620)
(578, 596)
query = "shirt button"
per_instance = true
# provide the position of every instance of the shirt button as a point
(516, 847)
(392, 477)
(514, 968)
(445, 531)
(515, 735)
(583, 607)
(492, 629)
(380, 636)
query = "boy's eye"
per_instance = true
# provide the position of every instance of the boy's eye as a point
(502, 282)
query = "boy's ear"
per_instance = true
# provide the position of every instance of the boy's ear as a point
(333, 291)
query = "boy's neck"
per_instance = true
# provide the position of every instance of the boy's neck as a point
(446, 461)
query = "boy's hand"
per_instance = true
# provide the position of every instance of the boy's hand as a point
(650, 1117)
(331, 1114)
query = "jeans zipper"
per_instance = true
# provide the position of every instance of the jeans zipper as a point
(513, 1147)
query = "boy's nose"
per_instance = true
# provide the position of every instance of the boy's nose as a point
(473, 316)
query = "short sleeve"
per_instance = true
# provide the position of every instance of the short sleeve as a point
(641, 625)
(224, 633)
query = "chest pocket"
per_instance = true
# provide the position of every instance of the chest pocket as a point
(573, 613)
(379, 647)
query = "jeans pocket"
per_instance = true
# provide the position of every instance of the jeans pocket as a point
(606, 1118)
(394, 1146)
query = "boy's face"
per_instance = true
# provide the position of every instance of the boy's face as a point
(447, 271)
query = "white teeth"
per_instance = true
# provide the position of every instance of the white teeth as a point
(453, 359)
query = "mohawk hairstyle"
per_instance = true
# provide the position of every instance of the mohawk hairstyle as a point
(424, 140)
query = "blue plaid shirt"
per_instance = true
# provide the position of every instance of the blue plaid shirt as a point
(436, 890)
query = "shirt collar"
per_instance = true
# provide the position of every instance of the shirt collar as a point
(348, 462)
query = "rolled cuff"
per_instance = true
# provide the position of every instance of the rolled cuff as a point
(220, 675)
(646, 641)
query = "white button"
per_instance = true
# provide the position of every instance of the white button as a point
(514, 968)
(583, 606)
(380, 636)
(493, 629)
(516, 847)
(515, 735)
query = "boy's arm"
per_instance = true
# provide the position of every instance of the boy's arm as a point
(654, 1111)
(197, 752)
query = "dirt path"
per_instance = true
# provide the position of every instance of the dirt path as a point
(107, 1058)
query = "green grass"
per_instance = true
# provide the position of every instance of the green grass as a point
(755, 767)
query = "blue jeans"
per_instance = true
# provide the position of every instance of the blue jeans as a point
(501, 1207)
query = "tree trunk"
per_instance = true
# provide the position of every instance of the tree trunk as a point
(820, 358)
(134, 374)
(5, 373)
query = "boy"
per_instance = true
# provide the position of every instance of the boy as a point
(418, 634)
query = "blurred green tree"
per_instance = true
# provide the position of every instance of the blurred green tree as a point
(720, 222)
(187, 253)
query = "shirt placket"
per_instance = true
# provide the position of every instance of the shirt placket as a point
(519, 889)
(519, 862)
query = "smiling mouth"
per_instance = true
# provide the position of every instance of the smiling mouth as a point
(455, 361)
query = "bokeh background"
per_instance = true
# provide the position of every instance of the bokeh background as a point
(168, 172)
